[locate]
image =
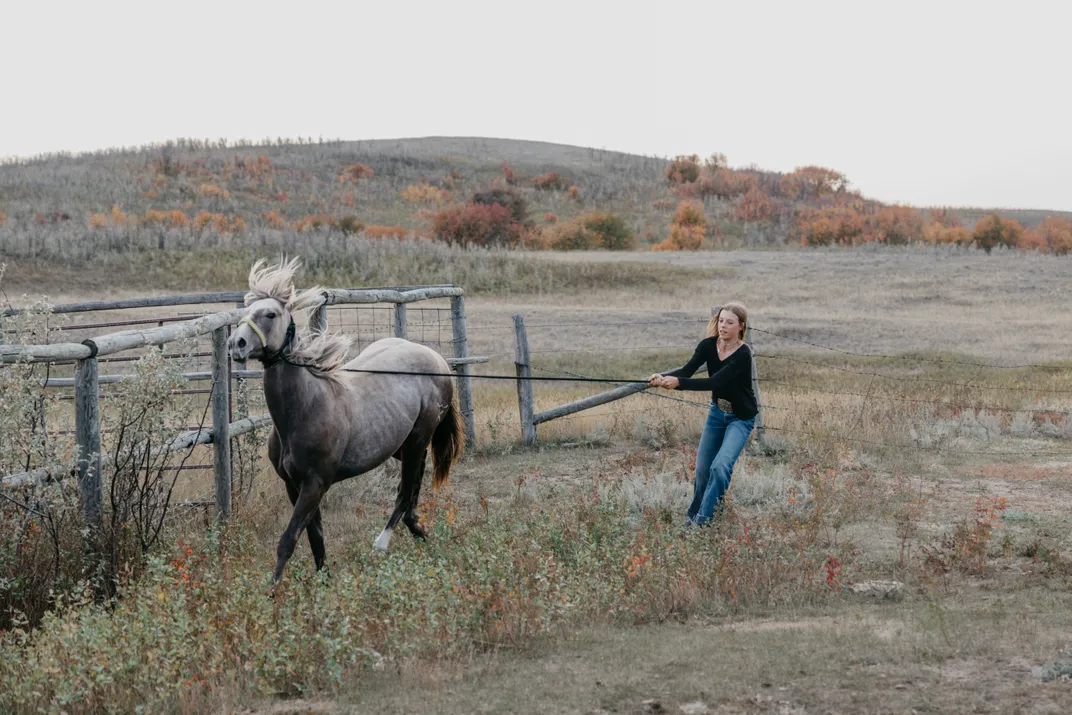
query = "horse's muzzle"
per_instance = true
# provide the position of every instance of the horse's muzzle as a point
(239, 348)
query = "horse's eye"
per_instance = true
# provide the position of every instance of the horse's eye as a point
(271, 316)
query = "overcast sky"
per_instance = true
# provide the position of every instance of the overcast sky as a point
(927, 103)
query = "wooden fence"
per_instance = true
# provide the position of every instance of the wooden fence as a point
(87, 379)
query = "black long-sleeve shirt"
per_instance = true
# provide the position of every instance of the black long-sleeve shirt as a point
(729, 379)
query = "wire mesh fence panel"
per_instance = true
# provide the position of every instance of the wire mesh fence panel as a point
(431, 326)
(365, 324)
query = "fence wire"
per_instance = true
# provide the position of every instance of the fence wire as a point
(918, 445)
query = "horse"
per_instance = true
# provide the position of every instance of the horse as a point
(332, 421)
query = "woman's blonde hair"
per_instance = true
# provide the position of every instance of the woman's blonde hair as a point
(737, 309)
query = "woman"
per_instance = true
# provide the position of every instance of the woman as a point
(733, 405)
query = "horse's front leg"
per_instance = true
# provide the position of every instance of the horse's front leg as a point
(315, 531)
(306, 508)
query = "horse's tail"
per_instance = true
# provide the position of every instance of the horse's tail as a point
(448, 444)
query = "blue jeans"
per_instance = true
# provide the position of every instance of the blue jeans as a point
(723, 439)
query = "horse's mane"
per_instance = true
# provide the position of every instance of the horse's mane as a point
(323, 353)
(275, 282)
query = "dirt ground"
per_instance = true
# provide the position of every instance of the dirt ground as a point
(861, 660)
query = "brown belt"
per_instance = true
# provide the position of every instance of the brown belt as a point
(724, 405)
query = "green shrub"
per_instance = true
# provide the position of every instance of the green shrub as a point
(571, 236)
(613, 231)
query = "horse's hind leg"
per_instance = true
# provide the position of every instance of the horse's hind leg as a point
(315, 532)
(413, 486)
(412, 471)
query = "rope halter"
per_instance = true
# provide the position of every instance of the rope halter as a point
(256, 329)
(266, 359)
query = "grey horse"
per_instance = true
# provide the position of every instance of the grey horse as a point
(331, 421)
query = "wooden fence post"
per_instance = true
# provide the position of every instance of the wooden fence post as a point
(755, 387)
(240, 410)
(465, 383)
(87, 435)
(400, 320)
(525, 402)
(221, 433)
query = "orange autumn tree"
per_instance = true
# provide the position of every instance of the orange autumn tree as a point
(755, 205)
(721, 183)
(683, 169)
(249, 169)
(274, 220)
(1053, 235)
(551, 181)
(894, 225)
(424, 193)
(937, 233)
(832, 225)
(355, 173)
(511, 176)
(995, 231)
(686, 228)
(716, 179)
(943, 227)
(167, 219)
(813, 182)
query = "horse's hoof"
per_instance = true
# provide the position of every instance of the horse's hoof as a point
(383, 541)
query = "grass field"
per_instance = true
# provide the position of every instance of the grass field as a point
(917, 406)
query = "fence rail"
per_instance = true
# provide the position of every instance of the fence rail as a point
(190, 299)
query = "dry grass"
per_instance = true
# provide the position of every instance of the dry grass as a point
(353, 262)
(902, 476)
(879, 300)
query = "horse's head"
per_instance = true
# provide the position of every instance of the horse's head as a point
(262, 333)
